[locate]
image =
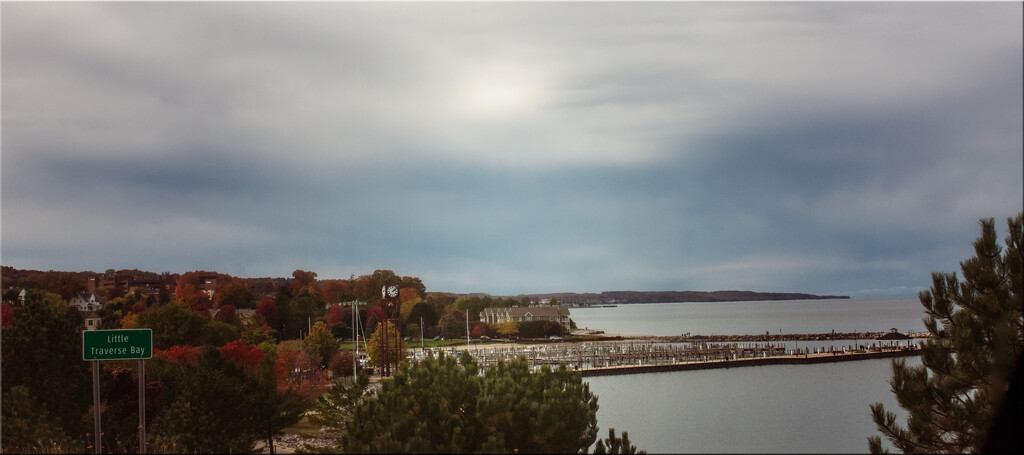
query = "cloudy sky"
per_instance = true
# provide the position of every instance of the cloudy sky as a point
(513, 148)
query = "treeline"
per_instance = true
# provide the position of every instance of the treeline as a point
(230, 367)
(675, 296)
(211, 386)
(286, 307)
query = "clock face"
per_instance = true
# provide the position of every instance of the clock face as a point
(393, 291)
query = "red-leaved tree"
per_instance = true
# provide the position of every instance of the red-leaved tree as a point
(228, 314)
(181, 353)
(479, 330)
(7, 314)
(242, 354)
(336, 315)
(268, 309)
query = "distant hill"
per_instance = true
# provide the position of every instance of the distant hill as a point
(616, 297)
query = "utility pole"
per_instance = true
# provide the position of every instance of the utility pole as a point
(355, 341)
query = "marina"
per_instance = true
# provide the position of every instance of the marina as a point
(602, 358)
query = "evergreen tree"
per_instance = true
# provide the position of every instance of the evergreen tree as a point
(444, 405)
(334, 407)
(613, 445)
(968, 360)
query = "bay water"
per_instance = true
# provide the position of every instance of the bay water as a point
(819, 408)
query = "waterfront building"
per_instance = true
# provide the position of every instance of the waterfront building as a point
(557, 314)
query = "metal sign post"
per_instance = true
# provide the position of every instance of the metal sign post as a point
(127, 344)
(98, 444)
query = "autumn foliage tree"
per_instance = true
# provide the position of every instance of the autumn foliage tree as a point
(303, 281)
(320, 344)
(336, 316)
(268, 309)
(479, 330)
(975, 343)
(188, 289)
(235, 293)
(335, 291)
(228, 314)
(384, 329)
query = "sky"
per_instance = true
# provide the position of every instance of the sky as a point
(513, 148)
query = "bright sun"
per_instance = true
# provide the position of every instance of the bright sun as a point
(499, 93)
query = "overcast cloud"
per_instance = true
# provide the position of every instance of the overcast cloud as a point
(513, 148)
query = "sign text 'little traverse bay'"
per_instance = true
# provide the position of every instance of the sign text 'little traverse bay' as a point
(125, 344)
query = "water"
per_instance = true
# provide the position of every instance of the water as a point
(752, 318)
(766, 409)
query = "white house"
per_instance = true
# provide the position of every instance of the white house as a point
(85, 302)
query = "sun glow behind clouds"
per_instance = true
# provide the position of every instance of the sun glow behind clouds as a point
(499, 91)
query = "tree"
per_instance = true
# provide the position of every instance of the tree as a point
(453, 325)
(423, 310)
(303, 281)
(612, 445)
(532, 329)
(479, 330)
(320, 344)
(341, 363)
(337, 315)
(384, 328)
(967, 362)
(296, 315)
(441, 405)
(274, 405)
(119, 397)
(208, 408)
(129, 321)
(228, 314)
(408, 297)
(188, 289)
(7, 314)
(28, 427)
(332, 409)
(42, 352)
(553, 328)
(268, 309)
(507, 328)
(173, 325)
(236, 294)
(336, 291)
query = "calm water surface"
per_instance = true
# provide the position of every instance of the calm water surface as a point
(750, 318)
(767, 409)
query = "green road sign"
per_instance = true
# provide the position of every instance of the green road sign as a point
(124, 344)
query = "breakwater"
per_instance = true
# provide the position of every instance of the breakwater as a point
(804, 359)
(768, 337)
